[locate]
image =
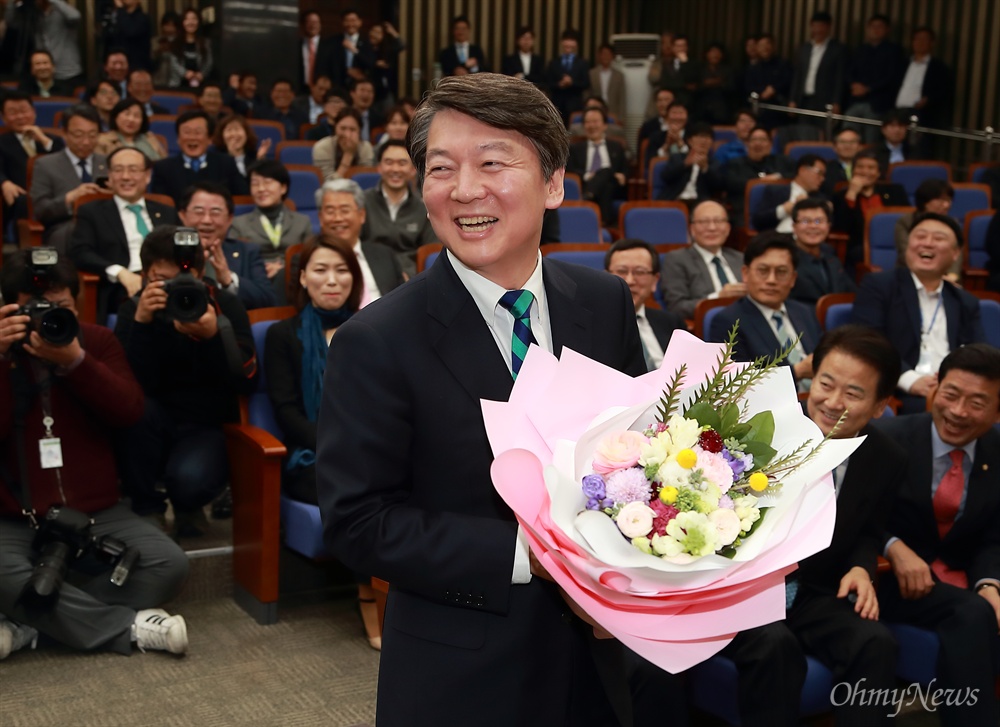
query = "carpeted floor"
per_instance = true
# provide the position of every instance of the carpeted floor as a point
(313, 667)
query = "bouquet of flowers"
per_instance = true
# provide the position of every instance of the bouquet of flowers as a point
(670, 512)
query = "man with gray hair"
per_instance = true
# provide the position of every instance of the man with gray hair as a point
(475, 631)
(341, 204)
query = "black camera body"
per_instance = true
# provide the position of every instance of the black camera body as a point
(57, 326)
(187, 296)
(63, 536)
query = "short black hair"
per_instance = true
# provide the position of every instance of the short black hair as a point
(95, 88)
(569, 34)
(271, 169)
(13, 94)
(114, 50)
(951, 222)
(523, 30)
(216, 188)
(980, 359)
(606, 46)
(821, 16)
(170, 16)
(745, 111)
(699, 128)
(811, 203)
(14, 276)
(460, 19)
(880, 18)
(159, 246)
(632, 243)
(894, 116)
(770, 240)
(867, 153)
(124, 105)
(808, 160)
(304, 15)
(83, 111)
(931, 189)
(868, 346)
(147, 163)
(924, 29)
(401, 143)
(191, 115)
(283, 79)
(200, 91)
(43, 52)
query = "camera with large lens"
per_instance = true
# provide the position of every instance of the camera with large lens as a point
(63, 536)
(57, 326)
(187, 296)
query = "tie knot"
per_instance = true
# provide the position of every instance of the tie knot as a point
(134, 208)
(957, 457)
(518, 302)
(778, 319)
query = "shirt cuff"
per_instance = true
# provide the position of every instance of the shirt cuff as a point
(522, 565)
(780, 212)
(907, 379)
(112, 272)
(885, 550)
(234, 284)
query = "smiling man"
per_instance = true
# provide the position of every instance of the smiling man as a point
(473, 634)
(943, 541)
(922, 313)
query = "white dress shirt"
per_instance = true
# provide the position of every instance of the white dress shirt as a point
(525, 62)
(133, 237)
(605, 75)
(371, 287)
(650, 344)
(933, 334)
(785, 218)
(913, 83)
(815, 58)
(597, 147)
(707, 257)
(486, 295)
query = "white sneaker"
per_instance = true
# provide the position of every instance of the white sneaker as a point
(14, 636)
(154, 628)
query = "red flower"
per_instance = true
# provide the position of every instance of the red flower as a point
(710, 441)
(664, 514)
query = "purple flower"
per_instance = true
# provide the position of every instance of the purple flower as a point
(726, 502)
(595, 504)
(737, 464)
(627, 486)
(593, 487)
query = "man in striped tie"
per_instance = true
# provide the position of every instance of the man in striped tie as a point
(474, 632)
(943, 537)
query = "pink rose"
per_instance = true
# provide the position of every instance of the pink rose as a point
(618, 451)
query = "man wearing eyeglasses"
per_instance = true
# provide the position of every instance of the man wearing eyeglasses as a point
(770, 322)
(820, 271)
(58, 180)
(637, 263)
(774, 211)
(704, 269)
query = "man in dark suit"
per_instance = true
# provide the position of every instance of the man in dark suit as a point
(600, 162)
(525, 63)
(759, 163)
(769, 321)
(315, 53)
(864, 194)
(351, 55)
(690, 176)
(283, 109)
(942, 538)
(568, 75)
(140, 87)
(874, 74)
(60, 179)
(655, 128)
(846, 144)
(108, 233)
(462, 52)
(926, 88)
(893, 147)
(819, 68)
(774, 210)
(195, 162)
(704, 269)
(470, 635)
(23, 140)
(638, 264)
(923, 314)
(235, 266)
(342, 213)
(820, 271)
(42, 81)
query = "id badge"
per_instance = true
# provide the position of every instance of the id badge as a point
(50, 450)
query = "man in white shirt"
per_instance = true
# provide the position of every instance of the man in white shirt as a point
(706, 268)
(108, 233)
(927, 86)
(774, 211)
(601, 164)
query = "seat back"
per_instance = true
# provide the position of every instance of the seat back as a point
(910, 174)
(305, 181)
(976, 225)
(989, 313)
(572, 187)
(753, 195)
(655, 222)
(705, 311)
(579, 222)
(273, 130)
(977, 171)
(969, 198)
(834, 310)
(163, 125)
(366, 180)
(725, 134)
(47, 108)
(654, 176)
(427, 254)
(798, 149)
(173, 101)
(880, 236)
(259, 410)
(295, 152)
(590, 256)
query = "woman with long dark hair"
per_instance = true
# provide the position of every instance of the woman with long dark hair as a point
(191, 54)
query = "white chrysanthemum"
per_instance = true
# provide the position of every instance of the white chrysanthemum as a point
(694, 532)
(746, 510)
(672, 474)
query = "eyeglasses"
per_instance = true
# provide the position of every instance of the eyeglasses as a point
(816, 221)
(765, 272)
(637, 273)
(708, 221)
(821, 171)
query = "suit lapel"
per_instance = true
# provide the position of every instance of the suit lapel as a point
(910, 301)
(753, 328)
(982, 491)
(461, 338)
(113, 220)
(570, 321)
(953, 313)
(704, 277)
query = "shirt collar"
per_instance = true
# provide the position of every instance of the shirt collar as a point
(940, 448)
(920, 286)
(487, 294)
(406, 195)
(75, 159)
(187, 160)
(767, 311)
(123, 205)
(707, 255)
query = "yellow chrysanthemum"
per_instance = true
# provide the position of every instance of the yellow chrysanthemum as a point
(687, 458)
(758, 481)
(668, 495)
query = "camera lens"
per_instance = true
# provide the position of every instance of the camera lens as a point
(58, 326)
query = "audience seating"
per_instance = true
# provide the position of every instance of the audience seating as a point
(754, 191)
(588, 255)
(656, 222)
(175, 101)
(295, 152)
(911, 174)
(164, 125)
(989, 311)
(798, 149)
(975, 256)
(579, 221)
(724, 134)
(916, 662)
(969, 198)
(705, 311)
(306, 180)
(572, 187)
(880, 239)
(366, 177)
(654, 176)
(427, 254)
(47, 108)
(793, 132)
(273, 130)
(978, 169)
(834, 310)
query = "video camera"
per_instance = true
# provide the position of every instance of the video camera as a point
(57, 326)
(187, 296)
(63, 536)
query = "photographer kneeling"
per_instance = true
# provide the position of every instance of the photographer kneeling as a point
(64, 388)
(192, 351)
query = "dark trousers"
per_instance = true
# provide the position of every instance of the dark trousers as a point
(603, 189)
(188, 459)
(967, 629)
(772, 670)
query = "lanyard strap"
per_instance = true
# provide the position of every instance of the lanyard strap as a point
(937, 308)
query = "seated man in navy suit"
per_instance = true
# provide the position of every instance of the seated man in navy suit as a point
(601, 164)
(942, 538)
(638, 264)
(923, 314)
(774, 209)
(768, 320)
(235, 266)
(196, 161)
(820, 271)
(690, 175)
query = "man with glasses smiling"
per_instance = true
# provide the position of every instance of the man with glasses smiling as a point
(59, 180)
(820, 271)
(704, 269)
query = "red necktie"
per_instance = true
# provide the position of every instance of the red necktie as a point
(946, 501)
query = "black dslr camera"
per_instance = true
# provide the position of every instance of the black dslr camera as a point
(63, 536)
(57, 326)
(187, 296)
